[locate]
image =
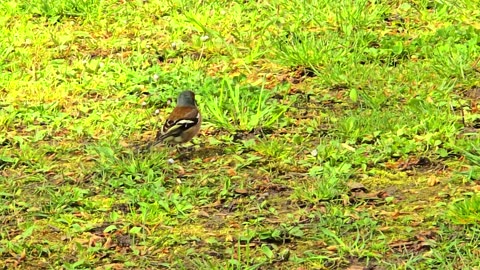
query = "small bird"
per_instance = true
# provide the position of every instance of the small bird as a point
(183, 123)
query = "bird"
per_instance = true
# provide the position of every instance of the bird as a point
(183, 123)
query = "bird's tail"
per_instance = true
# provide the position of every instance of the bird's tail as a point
(142, 148)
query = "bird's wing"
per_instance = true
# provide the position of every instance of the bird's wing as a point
(175, 126)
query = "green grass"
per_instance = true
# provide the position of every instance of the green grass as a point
(336, 134)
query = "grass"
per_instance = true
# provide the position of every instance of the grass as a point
(336, 135)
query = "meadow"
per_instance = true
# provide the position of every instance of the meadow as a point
(336, 135)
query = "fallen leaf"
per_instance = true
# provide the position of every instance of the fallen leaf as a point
(241, 191)
(432, 181)
(332, 248)
(355, 186)
(203, 214)
(108, 244)
(181, 170)
(231, 172)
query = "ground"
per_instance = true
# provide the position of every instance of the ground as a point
(336, 134)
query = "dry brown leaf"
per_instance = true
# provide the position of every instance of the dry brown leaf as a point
(231, 172)
(332, 248)
(241, 191)
(432, 181)
(203, 214)
(355, 186)
(108, 244)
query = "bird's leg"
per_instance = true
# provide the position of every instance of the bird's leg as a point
(185, 149)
